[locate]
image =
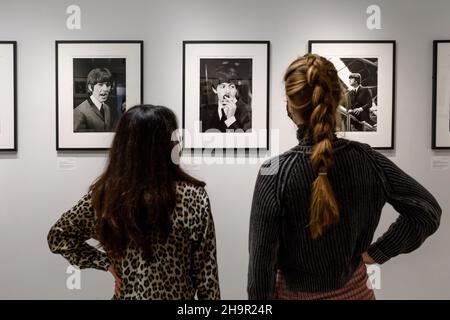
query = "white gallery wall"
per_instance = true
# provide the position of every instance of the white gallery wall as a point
(35, 190)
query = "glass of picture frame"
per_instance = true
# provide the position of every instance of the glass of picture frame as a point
(96, 81)
(8, 93)
(226, 95)
(367, 73)
(441, 95)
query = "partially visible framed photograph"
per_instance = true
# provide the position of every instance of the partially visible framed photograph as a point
(441, 95)
(96, 81)
(8, 104)
(226, 94)
(367, 73)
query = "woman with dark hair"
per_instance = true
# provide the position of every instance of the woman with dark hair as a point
(315, 210)
(152, 219)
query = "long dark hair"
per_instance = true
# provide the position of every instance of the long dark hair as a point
(135, 196)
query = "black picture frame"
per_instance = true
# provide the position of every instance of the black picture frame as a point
(131, 51)
(8, 108)
(258, 51)
(440, 135)
(382, 55)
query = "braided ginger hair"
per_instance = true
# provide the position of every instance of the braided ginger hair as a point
(314, 92)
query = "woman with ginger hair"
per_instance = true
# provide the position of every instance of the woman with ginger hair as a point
(316, 208)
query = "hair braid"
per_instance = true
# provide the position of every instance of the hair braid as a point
(314, 91)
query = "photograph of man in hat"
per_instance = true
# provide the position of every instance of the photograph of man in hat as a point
(228, 113)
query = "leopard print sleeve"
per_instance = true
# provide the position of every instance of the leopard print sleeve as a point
(69, 234)
(205, 256)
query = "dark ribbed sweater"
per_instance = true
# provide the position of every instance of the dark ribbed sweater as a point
(363, 180)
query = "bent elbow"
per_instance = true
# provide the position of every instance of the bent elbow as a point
(435, 220)
(435, 213)
(431, 223)
(52, 240)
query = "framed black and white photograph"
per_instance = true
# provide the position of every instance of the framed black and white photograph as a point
(96, 82)
(8, 104)
(226, 94)
(441, 95)
(367, 73)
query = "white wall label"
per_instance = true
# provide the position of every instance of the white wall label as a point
(374, 19)
(66, 164)
(440, 163)
(73, 22)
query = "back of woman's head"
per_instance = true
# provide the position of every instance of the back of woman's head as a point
(313, 91)
(135, 196)
(143, 142)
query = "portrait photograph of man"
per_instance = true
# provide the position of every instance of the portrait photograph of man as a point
(359, 77)
(366, 70)
(96, 82)
(99, 107)
(226, 95)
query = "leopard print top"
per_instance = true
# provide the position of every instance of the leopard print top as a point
(185, 266)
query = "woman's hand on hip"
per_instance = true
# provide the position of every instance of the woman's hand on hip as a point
(367, 259)
(118, 281)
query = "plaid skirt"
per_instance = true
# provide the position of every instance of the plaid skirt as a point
(357, 288)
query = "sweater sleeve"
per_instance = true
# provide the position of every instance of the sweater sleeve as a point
(205, 256)
(264, 235)
(419, 212)
(69, 234)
